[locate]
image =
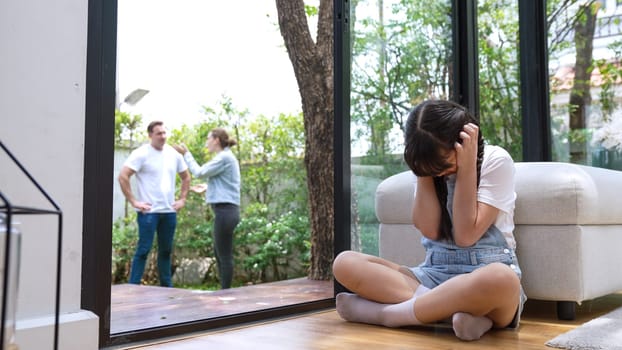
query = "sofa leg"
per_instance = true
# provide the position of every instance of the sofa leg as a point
(566, 310)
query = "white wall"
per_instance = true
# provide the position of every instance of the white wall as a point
(42, 102)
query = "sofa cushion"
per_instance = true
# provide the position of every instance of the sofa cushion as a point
(394, 198)
(554, 193)
(548, 193)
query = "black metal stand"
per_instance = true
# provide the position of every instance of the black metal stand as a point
(9, 210)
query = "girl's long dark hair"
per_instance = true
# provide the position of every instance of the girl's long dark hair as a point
(432, 129)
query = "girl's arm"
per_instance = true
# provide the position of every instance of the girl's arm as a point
(426, 214)
(471, 218)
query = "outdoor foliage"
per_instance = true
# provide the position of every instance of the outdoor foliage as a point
(272, 240)
(124, 239)
(126, 129)
(584, 125)
(500, 116)
(401, 55)
(396, 63)
(272, 248)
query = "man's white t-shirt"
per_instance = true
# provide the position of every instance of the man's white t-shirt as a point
(155, 175)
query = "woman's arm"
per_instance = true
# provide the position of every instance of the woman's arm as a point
(207, 170)
(426, 214)
(210, 169)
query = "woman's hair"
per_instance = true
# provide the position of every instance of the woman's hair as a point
(223, 137)
(432, 129)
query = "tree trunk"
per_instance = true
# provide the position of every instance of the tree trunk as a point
(580, 98)
(379, 123)
(313, 68)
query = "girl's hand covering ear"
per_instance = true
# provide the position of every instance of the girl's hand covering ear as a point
(466, 152)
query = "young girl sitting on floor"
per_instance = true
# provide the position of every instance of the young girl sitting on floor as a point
(463, 207)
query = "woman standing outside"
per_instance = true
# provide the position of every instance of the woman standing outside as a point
(223, 195)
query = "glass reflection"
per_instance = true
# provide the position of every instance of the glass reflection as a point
(585, 47)
(499, 84)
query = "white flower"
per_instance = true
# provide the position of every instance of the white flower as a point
(609, 135)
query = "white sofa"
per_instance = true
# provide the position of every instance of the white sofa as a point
(568, 229)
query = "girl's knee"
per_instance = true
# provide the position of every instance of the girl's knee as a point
(506, 272)
(502, 276)
(344, 263)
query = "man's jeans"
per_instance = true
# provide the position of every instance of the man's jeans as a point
(148, 224)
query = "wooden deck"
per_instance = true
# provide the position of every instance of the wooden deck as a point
(135, 307)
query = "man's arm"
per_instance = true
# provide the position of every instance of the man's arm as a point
(183, 193)
(124, 181)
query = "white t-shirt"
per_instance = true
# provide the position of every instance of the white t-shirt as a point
(496, 188)
(155, 175)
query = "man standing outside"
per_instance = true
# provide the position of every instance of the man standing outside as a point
(155, 165)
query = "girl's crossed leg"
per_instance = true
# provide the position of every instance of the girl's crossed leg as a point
(476, 301)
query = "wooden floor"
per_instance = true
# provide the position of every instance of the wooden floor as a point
(135, 307)
(325, 330)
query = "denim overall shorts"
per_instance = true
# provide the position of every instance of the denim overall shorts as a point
(445, 260)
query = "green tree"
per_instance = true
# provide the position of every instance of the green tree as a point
(580, 95)
(402, 56)
(611, 74)
(273, 151)
(126, 133)
(500, 116)
(399, 58)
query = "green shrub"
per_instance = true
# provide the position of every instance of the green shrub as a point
(272, 249)
(124, 239)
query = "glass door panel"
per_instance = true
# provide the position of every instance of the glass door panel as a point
(585, 48)
(189, 65)
(401, 55)
(499, 85)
